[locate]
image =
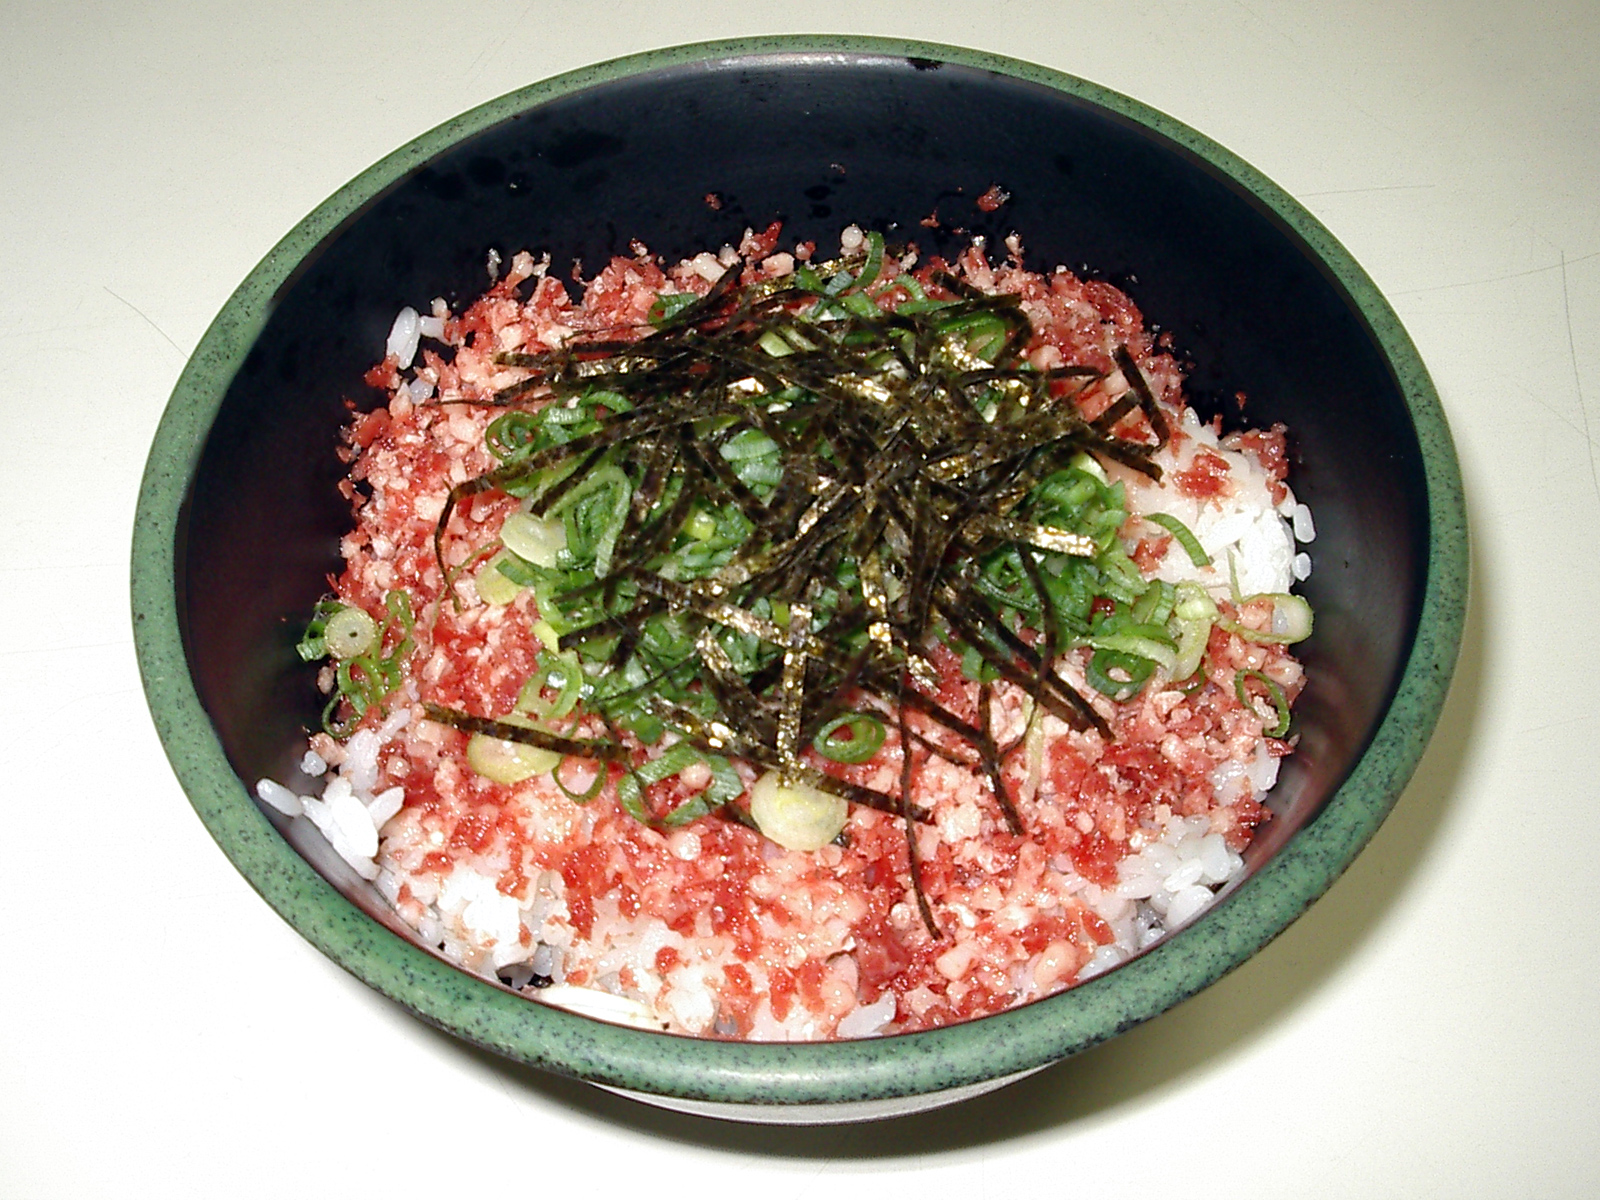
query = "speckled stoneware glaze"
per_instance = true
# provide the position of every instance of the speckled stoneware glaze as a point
(239, 517)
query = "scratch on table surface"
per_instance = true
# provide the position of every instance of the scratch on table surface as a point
(1564, 721)
(146, 320)
(1577, 380)
(1545, 270)
(1556, 413)
(1266, 24)
(494, 47)
(1381, 187)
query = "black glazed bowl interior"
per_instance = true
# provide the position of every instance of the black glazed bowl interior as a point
(240, 514)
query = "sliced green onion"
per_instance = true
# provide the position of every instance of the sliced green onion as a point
(701, 525)
(350, 633)
(865, 735)
(520, 572)
(509, 762)
(496, 587)
(669, 305)
(1120, 577)
(1090, 465)
(796, 816)
(872, 268)
(1155, 606)
(806, 278)
(913, 307)
(575, 412)
(512, 435)
(358, 683)
(398, 603)
(364, 680)
(330, 722)
(604, 398)
(1098, 673)
(977, 668)
(1191, 544)
(774, 344)
(748, 443)
(594, 513)
(726, 783)
(859, 304)
(538, 541)
(313, 645)
(981, 333)
(1193, 612)
(1141, 641)
(630, 794)
(759, 472)
(1291, 620)
(585, 796)
(562, 674)
(678, 757)
(692, 809)
(1274, 693)
(1193, 603)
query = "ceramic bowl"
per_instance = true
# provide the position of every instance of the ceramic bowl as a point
(239, 516)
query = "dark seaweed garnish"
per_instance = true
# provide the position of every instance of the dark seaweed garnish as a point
(818, 493)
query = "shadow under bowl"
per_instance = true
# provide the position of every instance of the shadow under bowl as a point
(240, 517)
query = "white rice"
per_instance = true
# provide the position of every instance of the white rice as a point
(1245, 529)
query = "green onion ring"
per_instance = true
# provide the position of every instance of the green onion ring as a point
(339, 730)
(1097, 673)
(561, 673)
(580, 797)
(866, 736)
(512, 436)
(1274, 693)
(359, 691)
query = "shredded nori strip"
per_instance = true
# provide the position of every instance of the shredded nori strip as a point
(507, 732)
(885, 457)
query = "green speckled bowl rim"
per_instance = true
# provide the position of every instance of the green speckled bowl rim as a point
(764, 1073)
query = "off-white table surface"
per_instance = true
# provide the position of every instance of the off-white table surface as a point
(1431, 1027)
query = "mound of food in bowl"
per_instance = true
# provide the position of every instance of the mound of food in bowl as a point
(790, 647)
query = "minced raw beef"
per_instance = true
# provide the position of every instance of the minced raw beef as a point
(708, 927)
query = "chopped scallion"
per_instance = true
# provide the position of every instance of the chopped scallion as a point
(538, 541)
(1191, 544)
(796, 815)
(508, 762)
(1279, 724)
(851, 738)
(494, 586)
(1132, 672)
